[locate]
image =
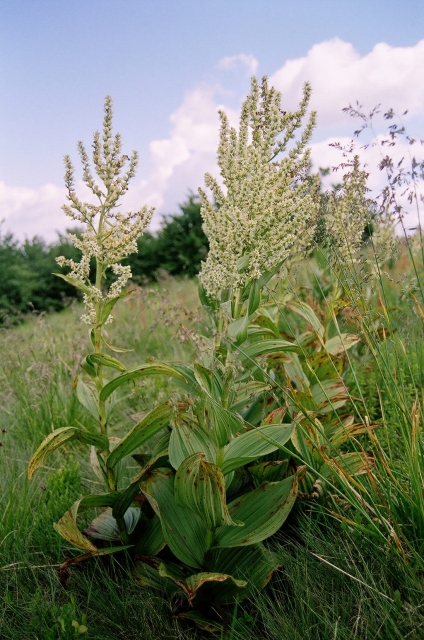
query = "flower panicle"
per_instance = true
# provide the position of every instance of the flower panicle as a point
(266, 208)
(108, 235)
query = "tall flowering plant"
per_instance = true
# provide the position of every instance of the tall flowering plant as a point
(209, 491)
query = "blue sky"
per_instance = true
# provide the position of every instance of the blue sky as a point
(168, 64)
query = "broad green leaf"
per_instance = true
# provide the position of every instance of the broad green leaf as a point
(99, 500)
(269, 471)
(243, 262)
(188, 438)
(223, 422)
(203, 377)
(200, 486)
(185, 533)
(114, 348)
(238, 329)
(344, 433)
(295, 372)
(88, 368)
(95, 439)
(105, 361)
(146, 574)
(341, 343)
(127, 496)
(330, 394)
(193, 583)
(151, 540)
(266, 347)
(304, 310)
(254, 298)
(145, 370)
(255, 443)
(87, 396)
(263, 511)
(156, 420)
(267, 275)
(352, 464)
(57, 438)
(74, 282)
(324, 366)
(203, 623)
(266, 322)
(258, 332)
(254, 564)
(107, 308)
(105, 527)
(52, 442)
(67, 528)
(247, 392)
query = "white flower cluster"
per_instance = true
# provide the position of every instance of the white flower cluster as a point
(266, 211)
(349, 211)
(108, 235)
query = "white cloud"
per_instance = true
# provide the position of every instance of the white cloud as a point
(340, 75)
(231, 62)
(29, 212)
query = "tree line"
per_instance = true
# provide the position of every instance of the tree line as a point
(27, 282)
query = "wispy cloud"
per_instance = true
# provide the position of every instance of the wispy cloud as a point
(247, 60)
(340, 75)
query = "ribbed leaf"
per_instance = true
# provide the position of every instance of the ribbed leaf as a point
(57, 438)
(53, 441)
(263, 511)
(185, 533)
(353, 464)
(341, 343)
(254, 564)
(128, 495)
(306, 312)
(105, 361)
(107, 308)
(88, 368)
(269, 471)
(151, 541)
(95, 439)
(187, 439)
(254, 297)
(67, 528)
(200, 486)
(105, 527)
(156, 420)
(342, 433)
(265, 347)
(238, 329)
(192, 584)
(223, 422)
(251, 445)
(329, 395)
(87, 396)
(145, 573)
(145, 370)
(74, 282)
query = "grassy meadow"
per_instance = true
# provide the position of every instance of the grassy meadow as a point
(350, 567)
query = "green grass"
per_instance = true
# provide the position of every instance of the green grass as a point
(335, 582)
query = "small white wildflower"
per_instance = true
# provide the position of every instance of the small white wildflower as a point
(266, 211)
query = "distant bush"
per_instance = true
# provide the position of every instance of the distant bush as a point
(178, 248)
